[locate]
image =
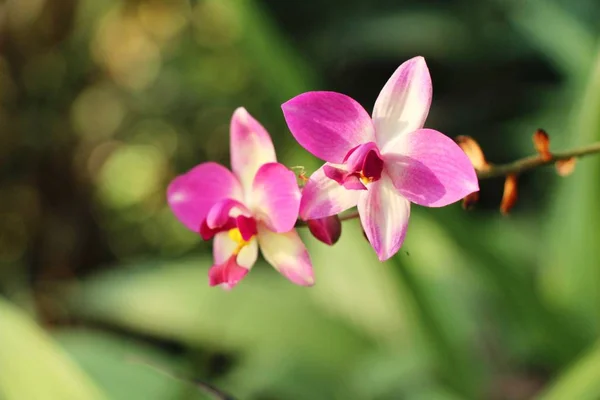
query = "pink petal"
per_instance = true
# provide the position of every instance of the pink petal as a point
(193, 194)
(403, 103)
(287, 254)
(384, 216)
(226, 271)
(429, 169)
(328, 124)
(275, 197)
(250, 147)
(322, 197)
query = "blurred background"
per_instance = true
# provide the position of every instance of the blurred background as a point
(104, 295)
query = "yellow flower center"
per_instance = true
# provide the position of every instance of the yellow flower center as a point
(236, 236)
(364, 179)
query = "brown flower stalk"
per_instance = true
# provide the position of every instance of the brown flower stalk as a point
(535, 161)
(564, 163)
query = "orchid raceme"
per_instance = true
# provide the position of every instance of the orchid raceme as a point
(255, 206)
(383, 163)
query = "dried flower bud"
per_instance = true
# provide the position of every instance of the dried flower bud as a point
(473, 151)
(541, 141)
(469, 201)
(509, 197)
(566, 167)
(328, 230)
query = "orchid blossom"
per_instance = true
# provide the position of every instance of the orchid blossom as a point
(255, 206)
(383, 163)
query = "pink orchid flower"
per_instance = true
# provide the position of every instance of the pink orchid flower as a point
(255, 206)
(383, 163)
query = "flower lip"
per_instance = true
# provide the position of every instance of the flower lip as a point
(372, 166)
(227, 274)
(362, 165)
(246, 226)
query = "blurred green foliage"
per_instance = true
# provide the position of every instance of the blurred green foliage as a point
(105, 295)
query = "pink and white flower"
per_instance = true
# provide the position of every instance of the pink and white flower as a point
(254, 207)
(383, 163)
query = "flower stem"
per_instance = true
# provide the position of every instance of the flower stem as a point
(535, 161)
(349, 215)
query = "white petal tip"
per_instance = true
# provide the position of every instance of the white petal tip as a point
(240, 115)
(297, 277)
(385, 256)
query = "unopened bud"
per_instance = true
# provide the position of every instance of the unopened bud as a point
(566, 167)
(328, 230)
(470, 200)
(541, 141)
(509, 197)
(474, 152)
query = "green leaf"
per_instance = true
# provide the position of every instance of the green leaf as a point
(280, 67)
(33, 367)
(570, 270)
(268, 322)
(581, 381)
(128, 370)
(521, 311)
(560, 37)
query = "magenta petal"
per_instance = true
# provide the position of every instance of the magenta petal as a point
(250, 146)
(403, 103)
(384, 216)
(287, 254)
(193, 194)
(275, 197)
(429, 168)
(322, 197)
(328, 124)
